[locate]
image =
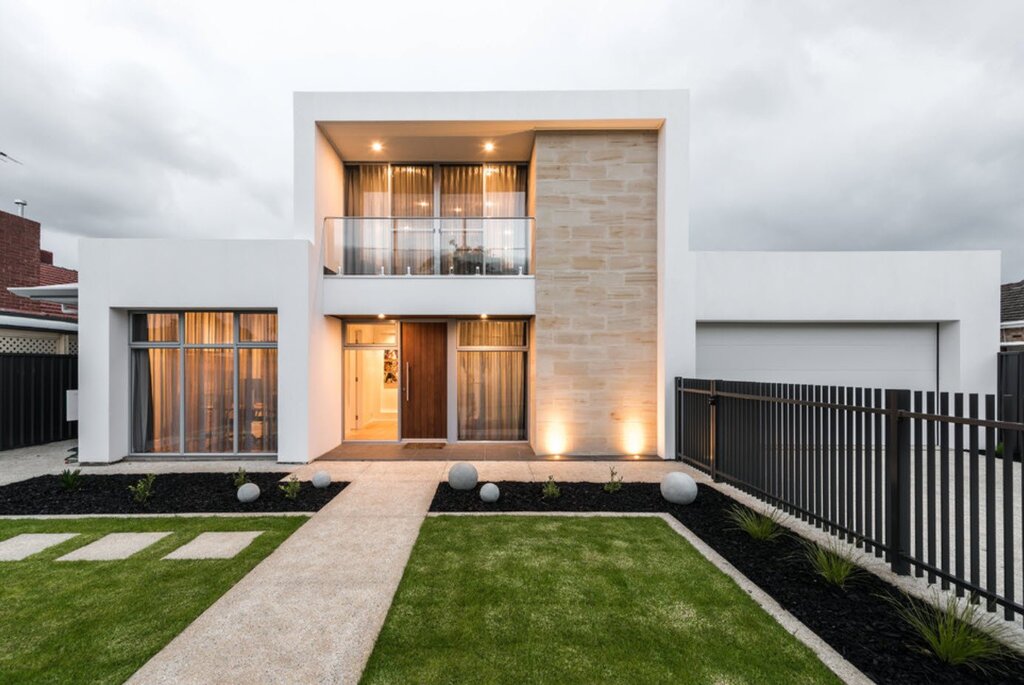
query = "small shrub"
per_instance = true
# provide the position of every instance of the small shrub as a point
(292, 488)
(143, 490)
(763, 527)
(832, 563)
(1000, 449)
(953, 632)
(614, 483)
(240, 478)
(71, 480)
(550, 490)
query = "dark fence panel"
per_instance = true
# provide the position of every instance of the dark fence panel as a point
(924, 479)
(32, 398)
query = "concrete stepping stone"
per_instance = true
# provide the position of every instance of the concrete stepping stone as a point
(114, 546)
(215, 545)
(27, 544)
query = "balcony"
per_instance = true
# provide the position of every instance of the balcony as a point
(427, 246)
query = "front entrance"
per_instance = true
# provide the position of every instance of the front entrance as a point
(424, 383)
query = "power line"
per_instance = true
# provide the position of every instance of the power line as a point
(7, 158)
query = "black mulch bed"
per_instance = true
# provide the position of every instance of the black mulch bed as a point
(173, 493)
(856, 622)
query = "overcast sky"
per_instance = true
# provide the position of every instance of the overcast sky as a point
(815, 125)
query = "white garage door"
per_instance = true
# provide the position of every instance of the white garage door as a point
(865, 355)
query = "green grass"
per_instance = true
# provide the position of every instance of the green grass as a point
(511, 599)
(99, 621)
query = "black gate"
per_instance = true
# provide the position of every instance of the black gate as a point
(32, 398)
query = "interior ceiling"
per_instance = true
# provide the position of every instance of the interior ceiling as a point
(449, 141)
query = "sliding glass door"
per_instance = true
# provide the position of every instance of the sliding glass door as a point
(435, 219)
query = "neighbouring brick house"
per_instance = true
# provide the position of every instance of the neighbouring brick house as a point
(30, 326)
(1012, 315)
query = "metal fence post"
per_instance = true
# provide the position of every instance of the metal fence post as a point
(713, 414)
(679, 418)
(897, 472)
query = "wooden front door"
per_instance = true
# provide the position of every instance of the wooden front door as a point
(424, 380)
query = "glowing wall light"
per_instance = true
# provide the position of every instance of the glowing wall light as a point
(556, 441)
(633, 438)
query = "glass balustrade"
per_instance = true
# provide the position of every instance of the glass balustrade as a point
(427, 246)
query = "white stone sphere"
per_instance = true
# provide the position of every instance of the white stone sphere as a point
(462, 476)
(489, 493)
(321, 479)
(678, 488)
(249, 492)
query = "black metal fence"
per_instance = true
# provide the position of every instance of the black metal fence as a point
(1011, 385)
(918, 477)
(32, 398)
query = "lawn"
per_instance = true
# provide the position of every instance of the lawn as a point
(99, 621)
(507, 599)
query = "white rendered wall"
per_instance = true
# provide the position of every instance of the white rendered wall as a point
(116, 276)
(429, 295)
(958, 290)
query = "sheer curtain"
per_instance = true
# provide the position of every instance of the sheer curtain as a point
(492, 380)
(156, 410)
(505, 196)
(257, 403)
(412, 196)
(462, 202)
(209, 400)
(367, 243)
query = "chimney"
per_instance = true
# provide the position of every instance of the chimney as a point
(45, 257)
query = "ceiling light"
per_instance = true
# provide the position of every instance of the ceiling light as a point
(488, 147)
(380, 316)
(376, 146)
(483, 316)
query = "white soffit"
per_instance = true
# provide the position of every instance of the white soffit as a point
(453, 141)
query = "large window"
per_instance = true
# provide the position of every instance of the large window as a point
(492, 380)
(204, 382)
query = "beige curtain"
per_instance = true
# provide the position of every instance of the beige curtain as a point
(157, 401)
(492, 383)
(366, 244)
(209, 328)
(492, 333)
(492, 395)
(462, 191)
(505, 238)
(257, 402)
(412, 196)
(209, 400)
(257, 327)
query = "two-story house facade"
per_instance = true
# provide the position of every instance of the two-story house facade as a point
(501, 267)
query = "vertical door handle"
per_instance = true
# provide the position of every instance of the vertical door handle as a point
(407, 381)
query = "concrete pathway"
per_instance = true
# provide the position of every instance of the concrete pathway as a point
(311, 611)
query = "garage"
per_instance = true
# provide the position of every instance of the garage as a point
(876, 355)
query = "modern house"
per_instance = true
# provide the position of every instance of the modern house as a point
(32, 327)
(494, 266)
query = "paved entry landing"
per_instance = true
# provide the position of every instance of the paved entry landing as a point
(312, 610)
(511, 451)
